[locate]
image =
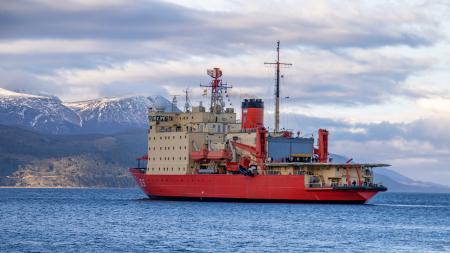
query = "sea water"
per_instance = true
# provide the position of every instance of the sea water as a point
(124, 220)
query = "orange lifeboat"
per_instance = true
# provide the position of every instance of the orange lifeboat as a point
(199, 155)
(219, 155)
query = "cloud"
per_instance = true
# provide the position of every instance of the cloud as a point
(46, 46)
(424, 163)
(334, 46)
(419, 149)
(136, 20)
(345, 79)
(20, 80)
(327, 25)
(431, 131)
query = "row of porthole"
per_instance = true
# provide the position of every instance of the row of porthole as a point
(168, 137)
(166, 148)
(167, 169)
(168, 158)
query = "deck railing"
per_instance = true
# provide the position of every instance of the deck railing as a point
(379, 186)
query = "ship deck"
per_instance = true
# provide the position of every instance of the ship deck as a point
(300, 164)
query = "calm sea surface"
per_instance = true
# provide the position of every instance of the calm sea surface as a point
(122, 220)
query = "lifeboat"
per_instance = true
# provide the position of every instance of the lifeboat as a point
(199, 155)
(219, 155)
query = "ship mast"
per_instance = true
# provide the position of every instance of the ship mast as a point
(217, 87)
(174, 102)
(187, 103)
(277, 86)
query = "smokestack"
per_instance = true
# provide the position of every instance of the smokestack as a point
(252, 113)
(323, 145)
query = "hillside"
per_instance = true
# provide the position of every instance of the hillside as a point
(28, 158)
(399, 183)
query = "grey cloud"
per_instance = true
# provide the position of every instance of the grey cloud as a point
(396, 143)
(135, 21)
(432, 131)
(137, 88)
(179, 32)
(195, 29)
(17, 80)
(371, 87)
(377, 84)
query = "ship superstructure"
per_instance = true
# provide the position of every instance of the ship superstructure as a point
(206, 153)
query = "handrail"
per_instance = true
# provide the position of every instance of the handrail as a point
(345, 186)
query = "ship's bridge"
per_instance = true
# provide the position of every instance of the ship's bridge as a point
(174, 136)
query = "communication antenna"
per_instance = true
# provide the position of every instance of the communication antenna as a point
(217, 88)
(277, 64)
(174, 102)
(187, 103)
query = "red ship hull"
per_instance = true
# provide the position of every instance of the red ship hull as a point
(264, 188)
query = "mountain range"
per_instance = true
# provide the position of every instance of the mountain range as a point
(45, 142)
(48, 114)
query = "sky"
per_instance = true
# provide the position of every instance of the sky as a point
(375, 73)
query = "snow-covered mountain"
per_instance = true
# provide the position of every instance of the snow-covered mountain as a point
(113, 114)
(48, 114)
(42, 113)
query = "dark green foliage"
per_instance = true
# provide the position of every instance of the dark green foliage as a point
(20, 147)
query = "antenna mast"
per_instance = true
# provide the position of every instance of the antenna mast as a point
(174, 102)
(217, 87)
(277, 86)
(187, 103)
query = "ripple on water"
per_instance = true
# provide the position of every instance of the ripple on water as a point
(49, 220)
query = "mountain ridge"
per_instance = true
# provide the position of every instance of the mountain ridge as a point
(48, 114)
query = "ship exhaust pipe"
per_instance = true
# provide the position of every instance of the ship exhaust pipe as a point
(252, 114)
